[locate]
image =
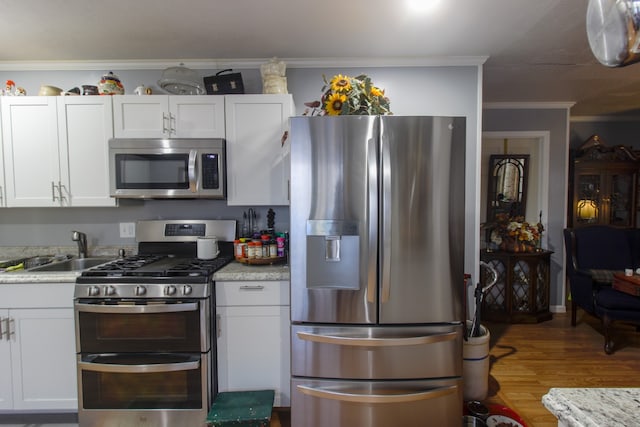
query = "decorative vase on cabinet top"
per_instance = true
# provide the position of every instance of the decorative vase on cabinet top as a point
(110, 85)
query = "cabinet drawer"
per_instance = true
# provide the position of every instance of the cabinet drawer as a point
(252, 293)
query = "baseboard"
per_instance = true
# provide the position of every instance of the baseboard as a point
(558, 309)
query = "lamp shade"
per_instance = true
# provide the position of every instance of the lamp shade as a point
(587, 209)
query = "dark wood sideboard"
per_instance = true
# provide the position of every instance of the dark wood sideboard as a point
(521, 294)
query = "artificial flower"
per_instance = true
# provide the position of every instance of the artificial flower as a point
(344, 95)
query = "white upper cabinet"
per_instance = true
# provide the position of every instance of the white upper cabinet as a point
(56, 150)
(85, 124)
(168, 116)
(2, 186)
(30, 136)
(257, 149)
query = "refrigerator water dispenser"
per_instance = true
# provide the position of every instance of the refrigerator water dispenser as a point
(333, 248)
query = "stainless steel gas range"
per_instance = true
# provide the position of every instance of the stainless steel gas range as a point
(144, 329)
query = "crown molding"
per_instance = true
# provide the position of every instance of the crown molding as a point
(241, 63)
(527, 105)
(612, 118)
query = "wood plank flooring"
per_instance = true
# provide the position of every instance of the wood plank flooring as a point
(527, 360)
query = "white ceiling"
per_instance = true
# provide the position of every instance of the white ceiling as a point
(536, 50)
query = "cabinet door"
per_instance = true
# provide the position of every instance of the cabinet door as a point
(30, 137)
(3, 200)
(257, 151)
(254, 338)
(6, 400)
(253, 350)
(43, 359)
(141, 116)
(197, 116)
(605, 197)
(85, 124)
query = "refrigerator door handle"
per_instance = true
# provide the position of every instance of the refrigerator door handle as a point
(386, 222)
(376, 398)
(372, 167)
(357, 341)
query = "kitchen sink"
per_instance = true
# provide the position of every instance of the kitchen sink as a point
(74, 264)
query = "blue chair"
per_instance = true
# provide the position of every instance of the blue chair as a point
(594, 253)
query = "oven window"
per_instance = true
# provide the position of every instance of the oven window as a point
(105, 388)
(183, 331)
(152, 171)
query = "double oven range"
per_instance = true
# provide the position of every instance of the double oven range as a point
(144, 329)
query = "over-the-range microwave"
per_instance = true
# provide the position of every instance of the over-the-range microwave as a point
(167, 168)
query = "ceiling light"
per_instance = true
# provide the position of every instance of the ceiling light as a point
(422, 6)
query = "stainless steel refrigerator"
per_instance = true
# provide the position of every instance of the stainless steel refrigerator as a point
(377, 270)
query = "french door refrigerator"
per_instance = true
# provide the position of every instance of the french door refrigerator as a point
(377, 270)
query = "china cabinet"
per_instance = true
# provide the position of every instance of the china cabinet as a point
(55, 150)
(521, 293)
(253, 337)
(168, 116)
(605, 184)
(258, 166)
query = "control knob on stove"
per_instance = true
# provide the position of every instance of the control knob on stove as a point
(186, 290)
(109, 290)
(170, 290)
(93, 291)
(140, 290)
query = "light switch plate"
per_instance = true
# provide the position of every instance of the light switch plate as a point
(127, 229)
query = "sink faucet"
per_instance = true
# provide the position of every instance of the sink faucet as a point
(81, 238)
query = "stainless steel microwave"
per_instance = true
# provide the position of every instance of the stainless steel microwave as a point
(167, 168)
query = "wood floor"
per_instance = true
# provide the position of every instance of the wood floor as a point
(528, 360)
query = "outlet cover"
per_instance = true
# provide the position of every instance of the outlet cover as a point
(127, 229)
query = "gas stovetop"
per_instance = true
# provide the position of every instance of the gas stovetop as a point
(166, 266)
(154, 266)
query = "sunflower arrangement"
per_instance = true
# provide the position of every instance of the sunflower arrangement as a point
(345, 95)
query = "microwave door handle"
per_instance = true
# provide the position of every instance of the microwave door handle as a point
(193, 156)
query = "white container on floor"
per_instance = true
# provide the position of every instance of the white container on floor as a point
(475, 365)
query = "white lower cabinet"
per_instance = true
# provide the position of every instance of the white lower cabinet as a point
(37, 357)
(253, 346)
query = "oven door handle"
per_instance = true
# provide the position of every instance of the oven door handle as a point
(126, 309)
(139, 369)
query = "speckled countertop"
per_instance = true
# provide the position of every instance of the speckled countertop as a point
(594, 407)
(234, 271)
(238, 271)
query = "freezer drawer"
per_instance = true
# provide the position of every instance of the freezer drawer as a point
(331, 403)
(380, 352)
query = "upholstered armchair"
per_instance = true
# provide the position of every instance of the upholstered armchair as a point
(594, 254)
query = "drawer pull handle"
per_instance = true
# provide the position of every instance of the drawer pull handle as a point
(376, 398)
(356, 341)
(251, 287)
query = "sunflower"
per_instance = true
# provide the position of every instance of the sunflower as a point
(376, 92)
(334, 103)
(340, 83)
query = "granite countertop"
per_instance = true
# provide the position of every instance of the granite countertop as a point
(594, 407)
(234, 271)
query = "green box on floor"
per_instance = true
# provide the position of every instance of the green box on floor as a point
(242, 409)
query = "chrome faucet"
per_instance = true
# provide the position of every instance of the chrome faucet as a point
(81, 238)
